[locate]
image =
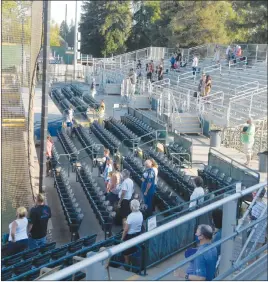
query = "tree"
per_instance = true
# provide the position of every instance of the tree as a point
(200, 22)
(105, 27)
(145, 30)
(64, 30)
(70, 35)
(54, 34)
(251, 20)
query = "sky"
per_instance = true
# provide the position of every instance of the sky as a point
(58, 10)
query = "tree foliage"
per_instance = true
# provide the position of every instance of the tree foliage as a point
(55, 39)
(105, 27)
(67, 33)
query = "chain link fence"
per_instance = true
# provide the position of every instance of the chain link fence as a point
(21, 42)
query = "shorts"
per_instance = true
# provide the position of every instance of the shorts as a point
(132, 249)
(125, 208)
(248, 148)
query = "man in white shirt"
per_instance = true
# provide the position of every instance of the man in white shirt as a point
(195, 64)
(125, 195)
(69, 120)
(197, 193)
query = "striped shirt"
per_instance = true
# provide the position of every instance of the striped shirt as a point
(259, 234)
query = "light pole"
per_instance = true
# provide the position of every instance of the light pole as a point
(45, 87)
(75, 41)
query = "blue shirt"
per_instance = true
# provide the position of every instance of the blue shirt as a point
(205, 264)
(216, 238)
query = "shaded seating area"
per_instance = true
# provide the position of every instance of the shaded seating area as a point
(105, 137)
(62, 102)
(71, 209)
(102, 208)
(179, 154)
(174, 176)
(121, 131)
(138, 127)
(87, 141)
(68, 146)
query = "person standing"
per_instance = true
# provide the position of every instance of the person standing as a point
(133, 79)
(160, 72)
(49, 154)
(217, 54)
(208, 85)
(197, 193)
(114, 188)
(148, 186)
(228, 53)
(202, 85)
(125, 195)
(247, 139)
(93, 88)
(203, 266)
(101, 112)
(69, 120)
(195, 64)
(258, 236)
(18, 238)
(172, 61)
(150, 71)
(104, 161)
(132, 227)
(37, 228)
(155, 168)
(107, 173)
(139, 69)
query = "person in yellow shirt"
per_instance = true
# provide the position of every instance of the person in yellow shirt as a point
(247, 139)
(101, 112)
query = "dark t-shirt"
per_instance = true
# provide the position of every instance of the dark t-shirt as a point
(39, 217)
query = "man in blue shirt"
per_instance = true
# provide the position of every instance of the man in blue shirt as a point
(204, 266)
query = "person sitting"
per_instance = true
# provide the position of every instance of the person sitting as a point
(18, 238)
(132, 227)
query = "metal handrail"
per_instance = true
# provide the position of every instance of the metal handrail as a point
(152, 233)
(181, 162)
(250, 83)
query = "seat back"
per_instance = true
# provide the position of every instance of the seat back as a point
(75, 246)
(22, 267)
(6, 274)
(48, 247)
(31, 253)
(59, 252)
(89, 240)
(42, 259)
(11, 260)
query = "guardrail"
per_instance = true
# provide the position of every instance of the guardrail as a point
(159, 230)
(238, 61)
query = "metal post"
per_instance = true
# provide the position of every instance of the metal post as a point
(45, 87)
(228, 227)
(75, 42)
(257, 47)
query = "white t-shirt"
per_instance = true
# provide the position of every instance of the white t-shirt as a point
(134, 220)
(21, 230)
(128, 186)
(70, 115)
(198, 192)
(156, 174)
(195, 62)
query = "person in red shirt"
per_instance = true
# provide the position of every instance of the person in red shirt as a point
(49, 154)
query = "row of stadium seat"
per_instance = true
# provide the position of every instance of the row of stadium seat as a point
(101, 207)
(138, 127)
(68, 146)
(62, 102)
(55, 157)
(183, 154)
(86, 97)
(105, 137)
(174, 176)
(163, 198)
(79, 105)
(215, 179)
(27, 264)
(68, 201)
(87, 141)
(121, 131)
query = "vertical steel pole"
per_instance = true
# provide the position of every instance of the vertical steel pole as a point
(228, 227)
(75, 42)
(45, 87)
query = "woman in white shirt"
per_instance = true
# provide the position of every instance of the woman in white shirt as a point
(198, 192)
(155, 168)
(132, 227)
(18, 237)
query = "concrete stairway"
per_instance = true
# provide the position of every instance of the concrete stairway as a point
(187, 123)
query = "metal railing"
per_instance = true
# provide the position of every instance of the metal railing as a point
(158, 230)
